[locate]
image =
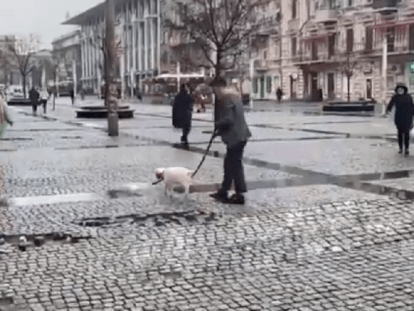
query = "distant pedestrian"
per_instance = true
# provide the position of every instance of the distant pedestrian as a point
(44, 96)
(404, 112)
(72, 96)
(182, 113)
(231, 125)
(279, 94)
(82, 94)
(139, 94)
(34, 99)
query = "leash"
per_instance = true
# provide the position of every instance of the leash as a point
(199, 165)
(205, 154)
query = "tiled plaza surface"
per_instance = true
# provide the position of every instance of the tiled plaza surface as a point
(327, 224)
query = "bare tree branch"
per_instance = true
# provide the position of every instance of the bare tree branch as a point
(220, 27)
(22, 52)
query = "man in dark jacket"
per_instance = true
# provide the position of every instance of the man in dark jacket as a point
(72, 96)
(279, 94)
(182, 113)
(231, 125)
(404, 111)
(34, 99)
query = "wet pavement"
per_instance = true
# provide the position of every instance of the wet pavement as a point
(327, 224)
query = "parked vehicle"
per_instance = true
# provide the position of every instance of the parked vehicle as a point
(15, 92)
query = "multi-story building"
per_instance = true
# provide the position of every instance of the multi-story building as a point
(67, 57)
(333, 39)
(8, 74)
(265, 56)
(138, 32)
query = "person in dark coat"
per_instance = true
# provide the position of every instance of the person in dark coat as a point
(139, 94)
(279, 94)
(34, 99)
(231, 125)
(182, 113)
(404, 111)
(72, 96)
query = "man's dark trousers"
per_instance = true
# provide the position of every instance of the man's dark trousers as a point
(233, 169)
(184, 137)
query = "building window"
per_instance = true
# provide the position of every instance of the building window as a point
(331, 45)
(269, 84)
(349, 40)
(411, 36)
(368, 38)
(391, 82)
(390, 38)
(255, 86)
(294, 9)
(350, 2)
(294, 46)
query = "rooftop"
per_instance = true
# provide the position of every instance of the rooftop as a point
(67, 35)
(86, 16)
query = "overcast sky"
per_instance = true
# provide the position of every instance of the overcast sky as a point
(42, 17)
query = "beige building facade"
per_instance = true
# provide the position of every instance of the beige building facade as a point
(320, 42)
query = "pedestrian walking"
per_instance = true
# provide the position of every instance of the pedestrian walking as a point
(82, 94)
(34, 99)
(139, 94)
(72, 96)
(279, 94)
(182, 113)
(44, 96)
(231, 125)
(404, 112)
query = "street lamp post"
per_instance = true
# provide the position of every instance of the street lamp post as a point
(384, 72)
(111, 91)
(251, 82)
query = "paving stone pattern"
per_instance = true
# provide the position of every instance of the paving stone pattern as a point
(345, 256)
(313, 247)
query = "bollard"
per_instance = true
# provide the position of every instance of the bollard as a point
(39, 241)
(22, 243)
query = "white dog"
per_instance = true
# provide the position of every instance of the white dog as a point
(175, 178)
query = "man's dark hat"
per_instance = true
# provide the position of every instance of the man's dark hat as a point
(401, 85)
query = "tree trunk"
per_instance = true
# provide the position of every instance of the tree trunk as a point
(349, 88)
(24, 86)
(217, 74)
(218, 64)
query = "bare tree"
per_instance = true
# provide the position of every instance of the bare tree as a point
(347, 68)
(220, 28)
(22, 52)
(4, 66)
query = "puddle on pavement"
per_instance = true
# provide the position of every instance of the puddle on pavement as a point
(71, 137)
(55, 199)
(6, 302)
(39, 240)
(157, 220)
(133, 189)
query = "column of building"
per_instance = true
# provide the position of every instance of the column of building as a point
(134, 43)
(83, 58)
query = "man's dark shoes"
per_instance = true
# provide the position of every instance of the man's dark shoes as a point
(237, 199)
(400, 152)
(220, 195)
(407, 152)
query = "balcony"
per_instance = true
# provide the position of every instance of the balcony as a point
(385, 6)
(326, 16)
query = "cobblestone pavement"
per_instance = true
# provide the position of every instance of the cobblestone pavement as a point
(307, 239)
